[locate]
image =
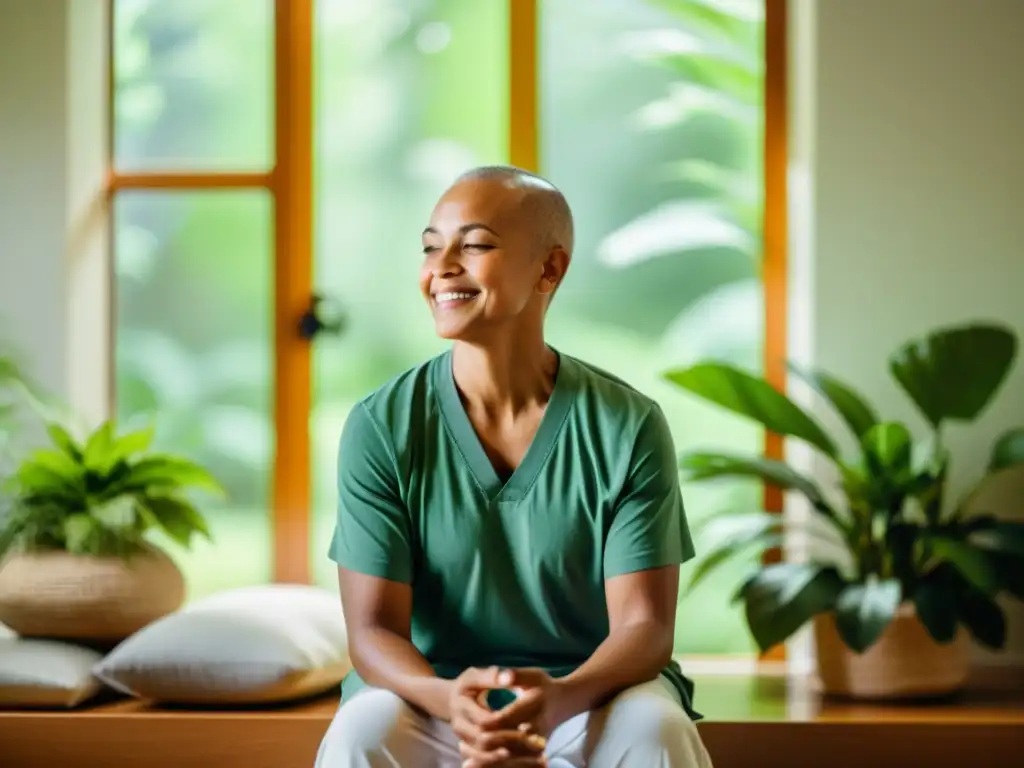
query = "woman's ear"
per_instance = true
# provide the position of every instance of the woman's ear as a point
(555, 266)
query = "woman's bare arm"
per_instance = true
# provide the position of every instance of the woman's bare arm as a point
(378, 615)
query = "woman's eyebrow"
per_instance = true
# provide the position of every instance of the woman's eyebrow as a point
(464, 229)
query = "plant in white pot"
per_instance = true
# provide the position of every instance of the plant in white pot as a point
(917, 572)
(76, 560)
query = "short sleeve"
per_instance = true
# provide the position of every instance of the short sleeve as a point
(649, 528)
(372, 532)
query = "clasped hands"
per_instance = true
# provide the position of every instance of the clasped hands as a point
(514, 736)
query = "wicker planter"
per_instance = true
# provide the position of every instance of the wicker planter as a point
(98, 599)
(905, 663)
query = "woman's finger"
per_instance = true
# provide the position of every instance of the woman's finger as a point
(476, 680)
(524, 709)
(481, 757)
(517, 743)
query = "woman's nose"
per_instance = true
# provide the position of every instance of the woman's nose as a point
(447, 263)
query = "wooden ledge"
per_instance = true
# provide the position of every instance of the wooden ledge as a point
(763, 720)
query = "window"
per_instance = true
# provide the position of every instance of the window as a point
(265, 150)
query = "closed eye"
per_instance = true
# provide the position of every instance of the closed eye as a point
(478, 247)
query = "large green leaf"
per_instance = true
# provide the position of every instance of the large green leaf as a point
(953, 373)
(178, 519)
(746, 395)
(935, 603)
(700, 465)
(97, 447)
(972, 563)
(124, 447)
(1008, 450)
(864, 610)
(64, 441)
(888, 448)
(853, 408)
(983, 618)
(781, 598)
(48, 472)
(724, 536)
(1000, 536)
(168, 473)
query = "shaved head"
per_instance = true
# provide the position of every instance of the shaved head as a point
(544, 205)
(495, 251)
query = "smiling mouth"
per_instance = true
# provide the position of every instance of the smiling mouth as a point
(454, 298)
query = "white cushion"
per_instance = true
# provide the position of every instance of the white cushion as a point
(251, 645)
(45, 673)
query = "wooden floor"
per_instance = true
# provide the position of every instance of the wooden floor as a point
(751, 720)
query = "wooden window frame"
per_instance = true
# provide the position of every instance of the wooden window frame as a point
(289, 181)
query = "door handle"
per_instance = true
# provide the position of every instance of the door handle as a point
(321, 316)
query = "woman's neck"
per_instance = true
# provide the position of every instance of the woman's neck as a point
(504, 378)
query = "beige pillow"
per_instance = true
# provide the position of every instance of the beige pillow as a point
(251, 645)
(46, 673)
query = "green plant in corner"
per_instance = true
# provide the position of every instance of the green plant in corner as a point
(101, 496)
(901, 539)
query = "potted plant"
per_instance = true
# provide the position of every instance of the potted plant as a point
(916, 568)
(76, 560)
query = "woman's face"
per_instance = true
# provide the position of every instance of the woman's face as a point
(482, 268)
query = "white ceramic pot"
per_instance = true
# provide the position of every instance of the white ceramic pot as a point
(905, 663)
(74, 597)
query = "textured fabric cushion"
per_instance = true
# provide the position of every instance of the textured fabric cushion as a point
(250, 645)
(45, 673)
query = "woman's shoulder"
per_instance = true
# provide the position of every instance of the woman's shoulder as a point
(402, 405)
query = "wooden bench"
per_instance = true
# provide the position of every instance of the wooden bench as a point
(752, 720)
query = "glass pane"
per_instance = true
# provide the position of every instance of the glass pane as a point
(407, 96)
(195, 350)
(668, 95)
(193, 84)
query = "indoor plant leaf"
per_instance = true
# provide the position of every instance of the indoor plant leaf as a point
(115, 513)
(177, 518)
(953, 373)
(127, 445)
(864, 610)
(888, 449)
(983, 618)
(79, 528)
(746, 395)
(724, 536)
(41, 473)
(64, 441)
(971, 562)
(1008, 450)
(701, 465)
(1000, 536)
(98, 446)
(935, 603)
(1010, 571)
(853, 408)
(160, 471)
(782, 597)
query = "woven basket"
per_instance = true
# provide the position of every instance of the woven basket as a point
(905, 663)
(100, 599)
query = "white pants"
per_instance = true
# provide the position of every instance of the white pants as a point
(643, 727)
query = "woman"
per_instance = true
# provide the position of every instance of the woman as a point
(508, 518)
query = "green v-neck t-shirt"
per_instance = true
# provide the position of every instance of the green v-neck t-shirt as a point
(509, 572)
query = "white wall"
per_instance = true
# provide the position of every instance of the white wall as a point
(33, 176)
(908, 205)
(53, 280)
